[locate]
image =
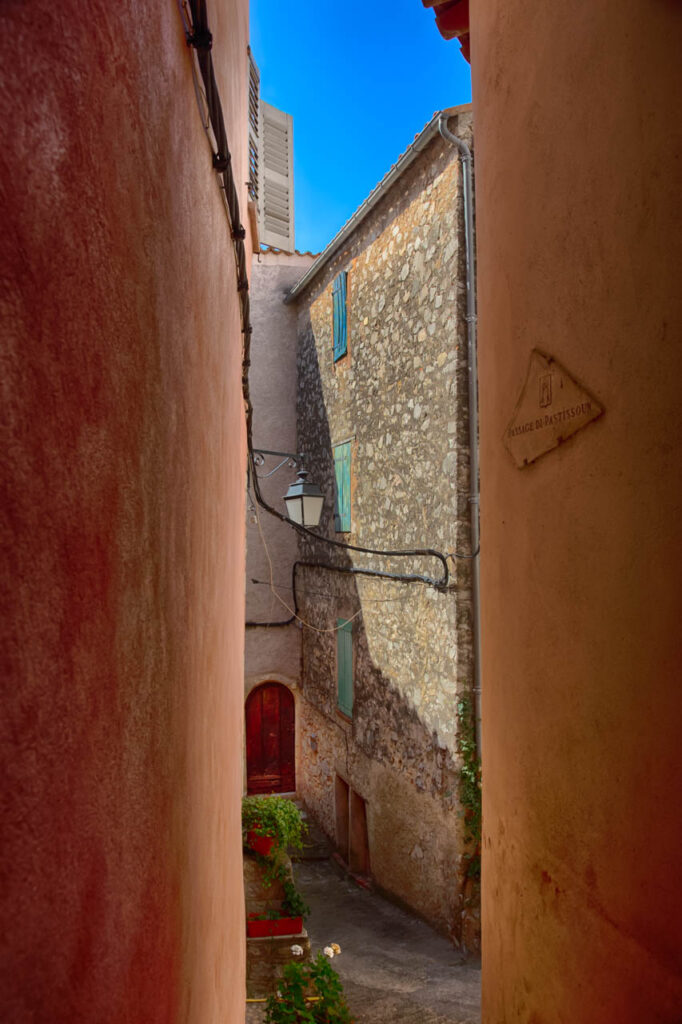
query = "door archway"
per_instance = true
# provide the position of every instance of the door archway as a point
(270, 740)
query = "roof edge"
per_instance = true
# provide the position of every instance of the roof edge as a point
(399, 167)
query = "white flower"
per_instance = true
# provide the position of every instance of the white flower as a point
(297, 950)
(328, 951)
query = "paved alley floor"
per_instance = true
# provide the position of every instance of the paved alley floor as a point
(394, 968)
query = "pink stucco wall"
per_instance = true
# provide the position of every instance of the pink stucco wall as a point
(273, 653)
(122, 464)
(579, 244)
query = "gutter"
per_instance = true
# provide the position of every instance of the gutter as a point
(378, 192)
(474, 491)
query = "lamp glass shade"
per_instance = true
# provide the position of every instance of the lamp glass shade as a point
(304, 501)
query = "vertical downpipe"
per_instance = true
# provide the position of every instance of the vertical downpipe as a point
(468, 203)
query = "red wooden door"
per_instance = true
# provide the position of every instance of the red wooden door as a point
(270, 740)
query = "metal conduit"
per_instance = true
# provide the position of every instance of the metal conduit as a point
(474, 491)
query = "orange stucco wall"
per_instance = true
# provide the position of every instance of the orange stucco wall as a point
(578, 216)
(122, 463)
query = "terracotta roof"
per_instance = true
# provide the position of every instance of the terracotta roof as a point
(452, 20)
(286, 252)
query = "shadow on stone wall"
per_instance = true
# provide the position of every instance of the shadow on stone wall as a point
(386, 729)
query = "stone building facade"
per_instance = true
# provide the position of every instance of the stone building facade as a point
(384, 780)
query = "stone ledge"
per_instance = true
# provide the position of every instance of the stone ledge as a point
(266, 959)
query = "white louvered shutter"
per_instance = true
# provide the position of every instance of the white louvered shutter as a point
(254, 128)
(276, 178)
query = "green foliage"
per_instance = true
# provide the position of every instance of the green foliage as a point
(275, 867)
(470, 784)
(294, 905)
(268, 915)
(274, 816)
(268, 816)
(302, 980)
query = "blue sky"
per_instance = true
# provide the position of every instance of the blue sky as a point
(361, 80)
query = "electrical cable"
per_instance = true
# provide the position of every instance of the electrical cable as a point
(302, 564)
(325, 593)
(294, 610)
(439, 584)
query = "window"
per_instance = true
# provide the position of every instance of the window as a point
(344, 666)
(342, 489)
(339, 304)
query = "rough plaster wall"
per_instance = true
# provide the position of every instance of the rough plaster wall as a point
(400, 395)
(122, 522)
(272, 381)
(580, 236)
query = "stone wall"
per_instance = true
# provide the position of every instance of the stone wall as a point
(399, 396)
(266, 957)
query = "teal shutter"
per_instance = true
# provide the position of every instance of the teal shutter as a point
(342, 478)
(344, 666)
(339, 302)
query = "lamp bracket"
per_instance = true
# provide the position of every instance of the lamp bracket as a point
(294, 460)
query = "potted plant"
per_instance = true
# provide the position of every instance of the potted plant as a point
(268, 925)
(286, 920)
(309, 993)
(269, 821)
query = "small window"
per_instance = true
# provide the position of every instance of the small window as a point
(342, 490)
(344, 666)
(339, 304)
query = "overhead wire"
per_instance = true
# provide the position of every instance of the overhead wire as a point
(325, 593)
(294, 611)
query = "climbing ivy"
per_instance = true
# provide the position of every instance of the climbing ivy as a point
(470, 784)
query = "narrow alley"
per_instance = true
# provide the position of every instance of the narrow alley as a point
(395, 969)
(341, 512)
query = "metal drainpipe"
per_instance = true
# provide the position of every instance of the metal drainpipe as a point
(468, 202)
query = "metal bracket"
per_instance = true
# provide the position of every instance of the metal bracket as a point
(294, 460)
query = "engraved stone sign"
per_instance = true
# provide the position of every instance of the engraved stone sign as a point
(551, 408)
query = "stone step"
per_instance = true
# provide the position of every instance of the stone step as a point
(266, 959)
(316, 845)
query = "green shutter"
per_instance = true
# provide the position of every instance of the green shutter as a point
(344, 666)
(342, 479)
(339, 304)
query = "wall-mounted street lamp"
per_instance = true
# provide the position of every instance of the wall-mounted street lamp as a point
(304, 499)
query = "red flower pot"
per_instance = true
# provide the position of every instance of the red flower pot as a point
(260, 844)
(260, 929)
